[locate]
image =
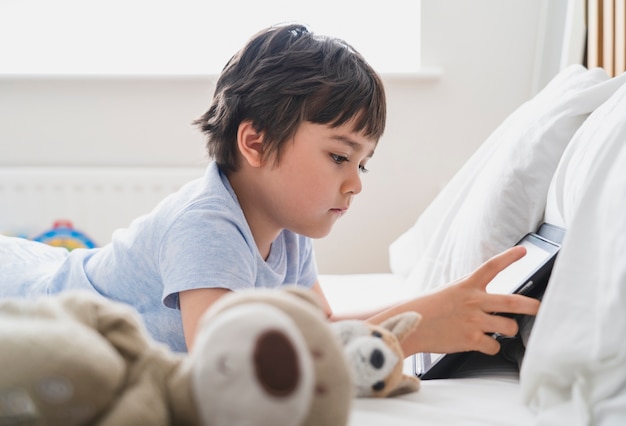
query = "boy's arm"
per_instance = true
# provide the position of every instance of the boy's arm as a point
(317, 289)
(455, 318)
(459, 317)
(193, 303)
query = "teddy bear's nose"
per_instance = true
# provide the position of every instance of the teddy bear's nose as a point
(377, 358)
(276, 363)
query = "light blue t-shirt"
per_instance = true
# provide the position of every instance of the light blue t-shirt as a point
(195, 238)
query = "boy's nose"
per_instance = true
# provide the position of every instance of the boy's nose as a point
(352, 185)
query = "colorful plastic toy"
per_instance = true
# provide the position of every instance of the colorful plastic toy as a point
(63, 234)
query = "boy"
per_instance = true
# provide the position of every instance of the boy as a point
(294, 119)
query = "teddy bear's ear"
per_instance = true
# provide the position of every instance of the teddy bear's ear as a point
(307, 295)
(407, 384)
(402, 324)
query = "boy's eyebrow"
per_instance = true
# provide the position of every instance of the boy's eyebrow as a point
(356, 146)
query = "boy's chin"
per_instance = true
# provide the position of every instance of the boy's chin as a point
(316, 234)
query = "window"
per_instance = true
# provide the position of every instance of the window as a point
(186, 37)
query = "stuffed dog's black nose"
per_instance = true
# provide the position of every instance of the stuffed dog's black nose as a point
(377, 358)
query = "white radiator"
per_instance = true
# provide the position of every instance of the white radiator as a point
(95, 200)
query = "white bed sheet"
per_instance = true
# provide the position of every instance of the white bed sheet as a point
(488, 400)
(475, 401)
(363, 292)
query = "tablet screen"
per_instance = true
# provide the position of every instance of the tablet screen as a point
(510, 279)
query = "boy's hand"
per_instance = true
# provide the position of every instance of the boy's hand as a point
(459, 317)
(465, 319)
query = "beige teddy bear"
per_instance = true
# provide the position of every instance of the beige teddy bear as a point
(261, 358)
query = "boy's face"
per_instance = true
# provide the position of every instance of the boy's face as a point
(318, 175)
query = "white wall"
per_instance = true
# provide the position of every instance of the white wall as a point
(486, 50)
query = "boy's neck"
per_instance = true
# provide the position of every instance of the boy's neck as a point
(260, 225)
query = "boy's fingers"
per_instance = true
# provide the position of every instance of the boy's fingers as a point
(489, 345)
(510, 303)
(502, 325)
(488, 270)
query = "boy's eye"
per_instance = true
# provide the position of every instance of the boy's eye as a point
(339, 159)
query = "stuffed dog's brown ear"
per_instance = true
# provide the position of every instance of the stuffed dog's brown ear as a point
(402, 325)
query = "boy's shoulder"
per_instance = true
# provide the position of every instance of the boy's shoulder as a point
(209, 191)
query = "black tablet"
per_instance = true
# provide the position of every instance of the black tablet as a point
(528, 276)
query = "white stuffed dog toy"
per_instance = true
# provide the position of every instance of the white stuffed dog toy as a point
(375, 356)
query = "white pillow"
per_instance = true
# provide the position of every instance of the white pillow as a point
(574, 370)
(500, 193)
(573, 169)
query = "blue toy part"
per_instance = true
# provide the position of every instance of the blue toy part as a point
(63, 234)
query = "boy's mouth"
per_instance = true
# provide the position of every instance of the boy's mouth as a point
(340, 212)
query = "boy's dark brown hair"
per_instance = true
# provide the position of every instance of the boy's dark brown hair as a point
(286, 75)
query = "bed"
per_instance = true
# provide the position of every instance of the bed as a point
(559, 158)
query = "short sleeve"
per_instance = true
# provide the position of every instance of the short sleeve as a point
(205, 248)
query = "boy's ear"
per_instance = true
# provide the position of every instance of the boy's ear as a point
(250, 143)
